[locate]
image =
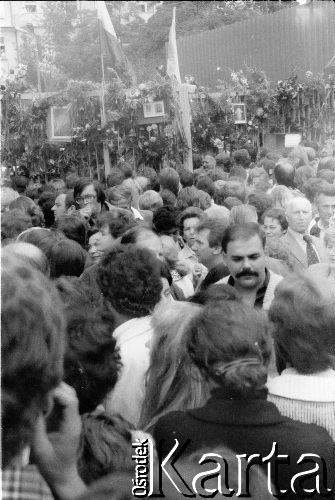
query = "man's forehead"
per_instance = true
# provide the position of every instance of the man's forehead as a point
(325, 198)
(60, 198)
(246, 246)
(300, 204)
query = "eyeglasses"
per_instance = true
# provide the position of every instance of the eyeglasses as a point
(87, 197)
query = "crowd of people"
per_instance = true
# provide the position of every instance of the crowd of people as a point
(190, 307)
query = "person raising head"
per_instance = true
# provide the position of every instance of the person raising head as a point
(243, 246)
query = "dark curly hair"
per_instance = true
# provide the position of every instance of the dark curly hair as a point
(165, 219)
(92, 360)
(129, 278)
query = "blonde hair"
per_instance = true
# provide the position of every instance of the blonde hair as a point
(174, 383)
(281, 195)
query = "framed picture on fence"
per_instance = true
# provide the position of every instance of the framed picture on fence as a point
(240, 114)
(153, 109)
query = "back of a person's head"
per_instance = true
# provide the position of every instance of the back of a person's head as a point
(302, 174)
(281, 195)
(92, 361)
(105, 447)
(186, 177)
(169, 179)
(126, 169)
(267, 165)
(150, 200)
(165, 219)
(243, 213)
(241, 157)
(238, 171)
(120, 196)
(261, 201)
(20, 183)
(235, 188)
(205, 201)
(67, 258)
(214, 294)
(115, 177)
(13, 223)
(188, 197)
(231, 201)
(284, 174)
(7, 195)
(118, 220)
(73, 226)
(327, 175)
(43, 238)
(218, 174)
(46, 201)
(258, 174)
(169, 199)
(327, 163)
(223, 160)
(129, 279)
(30, 254)
(150, 174)
(32, 337)
(28, 206)
(71, 180)
(58, 185)
(170, 367)
(230, 343)
(206, 184)
(303, 315)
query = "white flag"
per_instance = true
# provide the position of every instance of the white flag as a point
(172, 67)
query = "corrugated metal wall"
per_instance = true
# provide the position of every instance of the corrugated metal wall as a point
(300, 38)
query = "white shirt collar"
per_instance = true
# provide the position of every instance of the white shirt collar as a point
(132, 328)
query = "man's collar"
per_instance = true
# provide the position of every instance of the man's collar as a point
(260, 294)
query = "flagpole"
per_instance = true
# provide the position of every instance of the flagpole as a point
(107, 161)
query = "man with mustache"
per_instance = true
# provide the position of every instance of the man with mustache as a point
(243, 248)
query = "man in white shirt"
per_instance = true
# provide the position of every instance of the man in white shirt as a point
(303, 249)
(130, 280)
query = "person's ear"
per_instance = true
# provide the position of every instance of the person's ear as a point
(71, 210)
(217, 250)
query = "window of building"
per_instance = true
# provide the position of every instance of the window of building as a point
(30, 6)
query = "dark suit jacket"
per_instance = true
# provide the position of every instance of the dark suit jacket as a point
(298, 258)
(247, 426)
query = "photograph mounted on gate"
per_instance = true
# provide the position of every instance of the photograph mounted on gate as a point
(240, 114)
(153, 109)
(60, 126)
